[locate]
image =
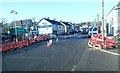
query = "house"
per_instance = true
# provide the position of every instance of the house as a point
(77, 28)
(112, 21)
(27, 23)
(24, 24)
(68, 27)
(47, 26)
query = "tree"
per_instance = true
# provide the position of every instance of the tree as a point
(3, 20)
(4, 25)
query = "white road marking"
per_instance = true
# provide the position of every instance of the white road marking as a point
(103, 50)
(113, 53)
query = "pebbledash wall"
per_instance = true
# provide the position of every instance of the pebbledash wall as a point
(113, 21)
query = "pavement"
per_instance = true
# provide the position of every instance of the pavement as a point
(71, 54)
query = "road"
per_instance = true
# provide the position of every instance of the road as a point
(71, 54)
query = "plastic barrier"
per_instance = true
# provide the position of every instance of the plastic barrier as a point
(96, 41)
(6, 46)
(13, 45)
(32, 40)
(25, 43)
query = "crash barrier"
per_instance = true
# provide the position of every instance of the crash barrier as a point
(22, 43)
(97, 41)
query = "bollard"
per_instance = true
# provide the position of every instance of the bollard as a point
(57, 40)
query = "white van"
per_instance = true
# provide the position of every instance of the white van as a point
(92, 30)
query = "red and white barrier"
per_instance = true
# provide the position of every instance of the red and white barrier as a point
(96, 41)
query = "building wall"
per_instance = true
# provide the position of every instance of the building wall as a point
(44, 27)
(112, 21)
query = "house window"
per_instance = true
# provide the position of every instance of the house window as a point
(44, 26)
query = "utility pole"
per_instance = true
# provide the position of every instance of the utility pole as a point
(103, 31)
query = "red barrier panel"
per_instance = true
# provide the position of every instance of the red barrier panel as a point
(25, 43)
(0, 47)
(32, 40)
(6, 46)
(13, 45)
(96, 40)
(17, 45)
(41, 38)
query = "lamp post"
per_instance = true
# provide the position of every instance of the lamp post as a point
(14, 12)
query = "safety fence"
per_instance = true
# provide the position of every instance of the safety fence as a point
(22, 43)
(97, 41)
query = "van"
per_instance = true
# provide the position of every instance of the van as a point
(92, 30)
(84, 29)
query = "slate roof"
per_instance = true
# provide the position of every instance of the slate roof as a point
(22, 22)
(66, 23)
(52, 21)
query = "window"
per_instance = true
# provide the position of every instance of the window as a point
(46, 26)
(95, 29)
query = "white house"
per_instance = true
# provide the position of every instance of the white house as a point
(65, 27)
(111, 21)
(47, 26)
(68, 27)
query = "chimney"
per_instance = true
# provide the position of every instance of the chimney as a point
(60, 20)
(54, 19)
(48, 18)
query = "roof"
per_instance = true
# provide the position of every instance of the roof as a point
(66, 23)
(51, 21)
(22, 22)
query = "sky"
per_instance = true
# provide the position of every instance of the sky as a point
(71, 11)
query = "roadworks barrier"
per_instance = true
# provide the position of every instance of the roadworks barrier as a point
(97, 42)
(16, 45)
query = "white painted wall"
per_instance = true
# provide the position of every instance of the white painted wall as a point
(45, 29)
(65, 27)
(112, 19)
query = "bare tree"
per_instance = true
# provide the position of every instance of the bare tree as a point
(4, 25)
(3, 20)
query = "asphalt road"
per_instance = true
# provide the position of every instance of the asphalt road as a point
(71, 54)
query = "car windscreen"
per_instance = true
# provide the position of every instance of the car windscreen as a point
(95, 29)
(84, 28)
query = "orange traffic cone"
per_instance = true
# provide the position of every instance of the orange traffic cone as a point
(49, 43)
(57, 40)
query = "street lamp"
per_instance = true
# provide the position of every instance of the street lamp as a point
(14, 12)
